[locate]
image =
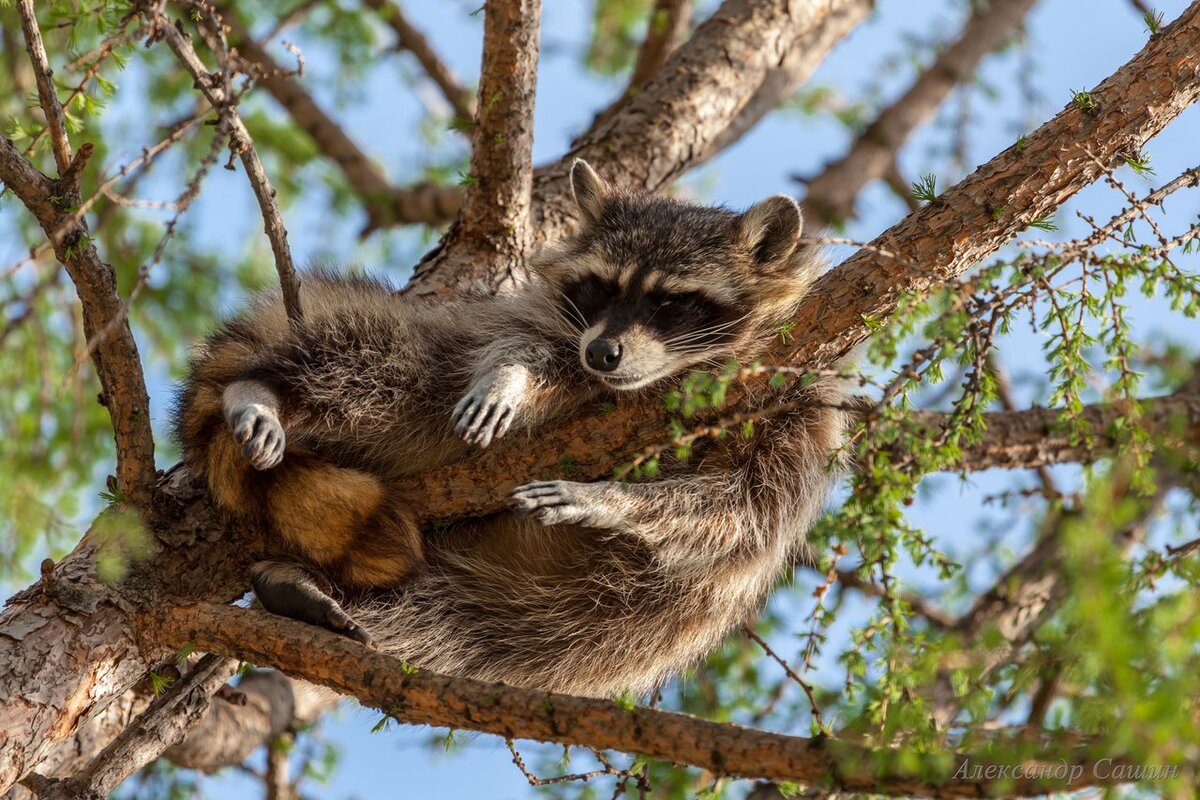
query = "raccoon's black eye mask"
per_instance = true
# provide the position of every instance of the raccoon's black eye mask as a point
(589, 297)
(703, 320)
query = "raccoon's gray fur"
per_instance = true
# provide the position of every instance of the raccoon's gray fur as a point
(586, 588)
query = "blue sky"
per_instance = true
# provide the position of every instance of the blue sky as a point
(1075, 45)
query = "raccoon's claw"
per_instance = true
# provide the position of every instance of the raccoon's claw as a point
(490, 406)
(289, 591)
(339, 621)
(261, 437)
(552, 502)
(481, 420)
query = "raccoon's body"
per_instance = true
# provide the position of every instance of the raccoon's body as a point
(582, 588)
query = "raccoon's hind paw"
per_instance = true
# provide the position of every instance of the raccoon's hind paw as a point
(289, 591)
(562, 503)
(259, 432)
(490, 406)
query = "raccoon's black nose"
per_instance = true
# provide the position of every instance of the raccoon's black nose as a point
(603, 354)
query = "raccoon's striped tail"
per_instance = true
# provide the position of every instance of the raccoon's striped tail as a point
(339, 519)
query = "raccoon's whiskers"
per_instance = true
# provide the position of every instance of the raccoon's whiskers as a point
(698, 335)
(576, 314)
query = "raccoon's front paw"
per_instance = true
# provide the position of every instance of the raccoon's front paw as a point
(490, 406)
(564, 503)
(259, 432)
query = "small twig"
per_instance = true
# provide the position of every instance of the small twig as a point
(44, 76)
(241, 143)
(791, 673)
(385, 203)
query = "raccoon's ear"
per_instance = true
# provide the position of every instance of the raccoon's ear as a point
(770, 230)
(589, 190)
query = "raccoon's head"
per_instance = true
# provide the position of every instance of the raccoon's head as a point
(654, 285)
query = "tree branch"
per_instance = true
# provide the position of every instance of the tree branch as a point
(946, 237)
(44, 77)
(115, 356)
(215, 90)
(666, 28)
(68, 643)
(1036, 437)
(812, 44)
(385, 203)
(420, 697)
(671, 125)
(410, 39)
(831, 194)
(493, 235)
(165, 722)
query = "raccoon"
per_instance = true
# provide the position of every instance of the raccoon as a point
(584, 588)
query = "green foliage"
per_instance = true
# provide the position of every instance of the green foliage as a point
(925, 189)
(1085, 102)
(160, 683)
(1153, 20)
(617, 30)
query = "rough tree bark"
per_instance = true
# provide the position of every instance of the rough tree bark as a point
(71, 644)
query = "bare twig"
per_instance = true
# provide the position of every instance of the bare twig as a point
(44, 76)
(831, 194)
(809, 692)
(410, 39)
(936, 616)
(386, 204)
(215, 91)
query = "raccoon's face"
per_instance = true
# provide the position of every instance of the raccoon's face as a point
(655, 286)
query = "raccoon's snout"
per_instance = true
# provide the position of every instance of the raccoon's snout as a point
(603, 355)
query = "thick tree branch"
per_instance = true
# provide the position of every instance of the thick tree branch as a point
(118, 364)
(386, 204)
(493, 235)
(164, 723)
(420, 697)
(410, 39)
(937, 243)
(812, 44)
(68, 642)
(215, 90)
(831, 194)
